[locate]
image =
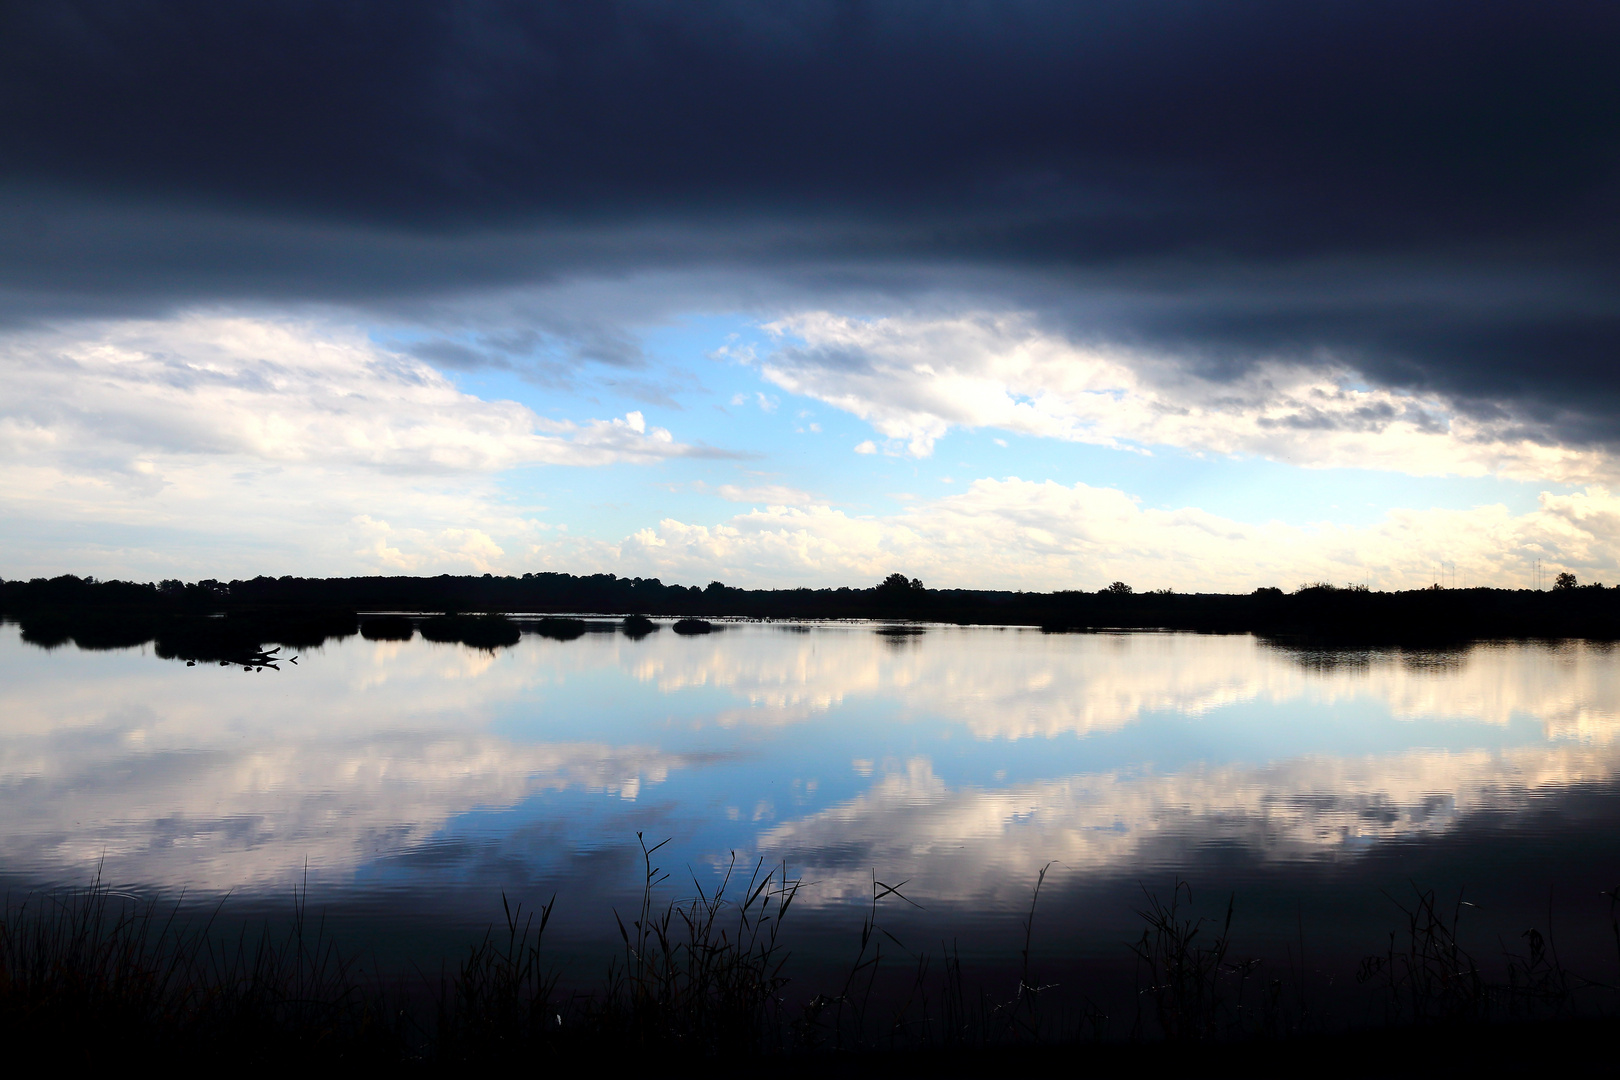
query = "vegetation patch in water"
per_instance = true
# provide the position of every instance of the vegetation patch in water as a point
(479, 631)
(560, 629)
(693, 626)
(388, 628)
(637, 626)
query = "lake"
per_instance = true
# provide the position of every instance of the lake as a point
(408, 785)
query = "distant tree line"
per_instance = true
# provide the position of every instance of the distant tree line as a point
(119, 610)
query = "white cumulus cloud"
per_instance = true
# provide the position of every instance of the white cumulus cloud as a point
(1021, 534)
(277, 392)
(277, 442)
(915, 379)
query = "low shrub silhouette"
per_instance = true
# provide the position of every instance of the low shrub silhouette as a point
(637, 626)
(479, 631)
(693, 626)
(560, 629)
(388, 628)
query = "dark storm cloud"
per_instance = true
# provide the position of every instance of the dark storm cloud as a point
(1425, 190)
(551, 358)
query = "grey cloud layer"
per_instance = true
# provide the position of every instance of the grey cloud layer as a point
(1420, 189)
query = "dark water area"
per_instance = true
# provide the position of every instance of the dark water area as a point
(404, 785)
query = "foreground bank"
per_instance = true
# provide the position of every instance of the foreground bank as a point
(96, 977)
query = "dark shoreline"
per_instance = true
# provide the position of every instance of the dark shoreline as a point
(212, 620)
(98, 976)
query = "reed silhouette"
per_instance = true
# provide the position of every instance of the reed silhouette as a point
(94, 977)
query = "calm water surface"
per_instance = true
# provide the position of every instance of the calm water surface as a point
(411, 783)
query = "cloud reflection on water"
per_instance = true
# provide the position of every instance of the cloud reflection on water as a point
(983, 846)
(372, 751)
(1021, 684)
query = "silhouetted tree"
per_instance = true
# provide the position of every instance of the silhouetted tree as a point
(1118, 588)
(1566, 580)
(899, 583)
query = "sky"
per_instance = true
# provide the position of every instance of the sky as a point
(1201, 296)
